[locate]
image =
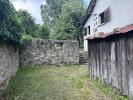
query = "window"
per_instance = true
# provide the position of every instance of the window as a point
(102, 19)
(105, 16)
(88, 30)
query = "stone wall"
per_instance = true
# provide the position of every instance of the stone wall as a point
(38, 53)
(8, 64)
(50, 52)
(83, 57)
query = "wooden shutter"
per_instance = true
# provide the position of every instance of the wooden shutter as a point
(107, 15)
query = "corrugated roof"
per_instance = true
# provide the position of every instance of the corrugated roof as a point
(101, 35)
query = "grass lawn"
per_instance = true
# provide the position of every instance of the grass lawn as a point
(57, 83)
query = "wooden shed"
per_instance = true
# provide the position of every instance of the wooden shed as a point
(110, 58)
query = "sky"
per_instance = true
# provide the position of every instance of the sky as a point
(33, 7)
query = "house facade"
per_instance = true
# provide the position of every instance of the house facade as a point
(104, 16)
(108, 38)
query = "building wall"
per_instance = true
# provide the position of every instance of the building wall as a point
(8, 64)
(50, 52)
(120, 16)
(111, 61)
(85, 45)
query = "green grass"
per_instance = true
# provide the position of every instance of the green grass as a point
(108, 90)
(57, 83)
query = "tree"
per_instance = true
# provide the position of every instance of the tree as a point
(9, 27)
(28, 23)
(51, 11)
(68, 24)
(44, 32)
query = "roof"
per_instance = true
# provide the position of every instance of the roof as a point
(116, 31)
(89, 11)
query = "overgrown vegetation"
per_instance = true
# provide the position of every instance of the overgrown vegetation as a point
(30, 28)
(57, 83)
(9, 27)
(27, 39)
(18, 26)
(27, 23)
(63, 18)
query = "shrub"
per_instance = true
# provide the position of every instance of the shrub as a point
(9, 27)
(26, 39)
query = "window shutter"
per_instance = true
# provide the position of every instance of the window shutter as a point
(107, 15)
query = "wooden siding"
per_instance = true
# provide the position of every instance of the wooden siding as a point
(111, 61)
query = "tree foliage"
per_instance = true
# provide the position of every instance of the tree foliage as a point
(63, 18)
(67, 26)
(9, 27)
(61, 21)
(27, 39)
(27, 23)
(30, 28)
(44, 32)
(51, 11)
(19, 25)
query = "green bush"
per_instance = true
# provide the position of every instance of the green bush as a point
(10, 29)
(44, 32)
(26, 39)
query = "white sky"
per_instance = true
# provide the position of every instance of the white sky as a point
(32, 6)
